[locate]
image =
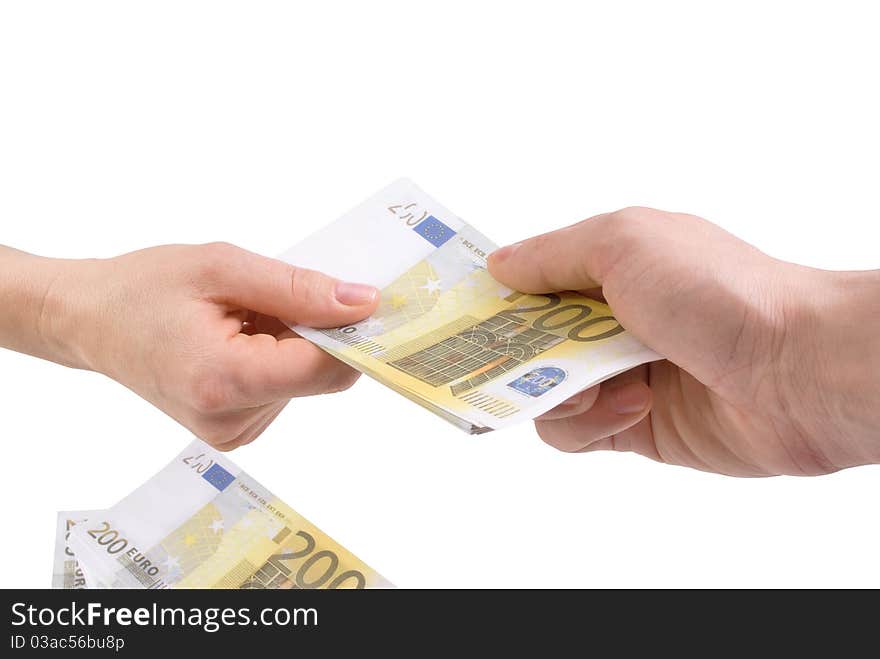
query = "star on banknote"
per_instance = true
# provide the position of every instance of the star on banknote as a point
(432, 286)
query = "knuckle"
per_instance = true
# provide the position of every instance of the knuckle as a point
(304, 283)
(636, 211)
(628, 224)
(638, 217)
(220, 252)
(641, 213)
(625, 236)
(543, 272)
(212, 259)
(296, 281)
(539, 244)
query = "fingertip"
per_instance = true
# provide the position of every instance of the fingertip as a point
(630, 398)
(351, 303)
(344, 377)
(617, 408)
(353, 294)
(504, 253)
(506, 267)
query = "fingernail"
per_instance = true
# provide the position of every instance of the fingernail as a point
(355, 295)
(505, 252)
(629, 398)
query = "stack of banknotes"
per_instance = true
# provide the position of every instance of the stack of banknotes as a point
(446, 335)
(202, 522)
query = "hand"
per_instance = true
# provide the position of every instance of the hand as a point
(195, 330)
(771, 367)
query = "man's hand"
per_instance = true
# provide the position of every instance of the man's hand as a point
(771, 367)
(195, 330)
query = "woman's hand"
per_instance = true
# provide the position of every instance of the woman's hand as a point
(194, 329)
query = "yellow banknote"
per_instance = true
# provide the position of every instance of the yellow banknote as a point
(204, 523)
(446, 334)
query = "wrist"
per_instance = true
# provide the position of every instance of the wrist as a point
(858, 349)
(846, 355)
(70, 309)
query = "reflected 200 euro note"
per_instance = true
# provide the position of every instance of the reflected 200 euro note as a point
(446, 334)
(67, 571)
(202, 522)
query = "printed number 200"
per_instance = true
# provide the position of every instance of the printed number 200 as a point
(575, 315)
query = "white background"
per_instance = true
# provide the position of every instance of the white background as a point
(126, 125)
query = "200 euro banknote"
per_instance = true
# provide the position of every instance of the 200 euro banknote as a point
(446, 334)
(67, 571)
(202, 522)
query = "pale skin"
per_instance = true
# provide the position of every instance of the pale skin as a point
(193, 329)
(771, 368)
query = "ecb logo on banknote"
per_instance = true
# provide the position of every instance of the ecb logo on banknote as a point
(539, 381)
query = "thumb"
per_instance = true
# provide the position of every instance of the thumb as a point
(678, 283)
(297, 295)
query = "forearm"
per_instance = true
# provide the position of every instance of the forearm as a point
(31, 306)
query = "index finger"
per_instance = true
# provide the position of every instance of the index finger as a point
(561, 260)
